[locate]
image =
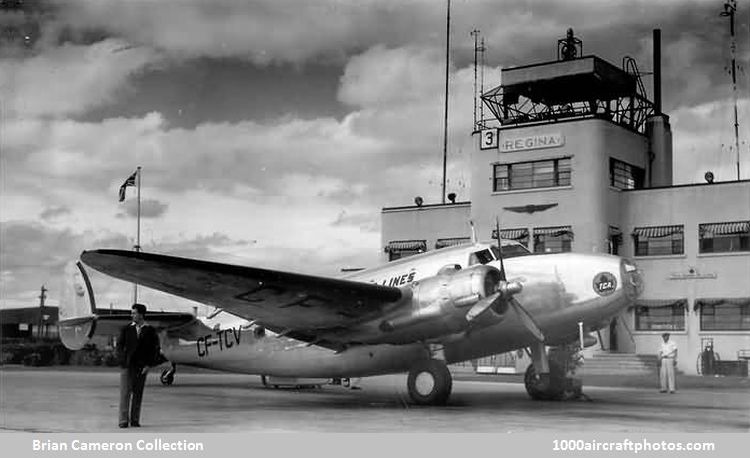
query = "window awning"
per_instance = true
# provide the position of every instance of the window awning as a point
(714, 301)
(555, 231)
(451, 241)
(736, 227)
(406, 245)
(511, 234)
(614, 231)
(657, 303)
(656, 231)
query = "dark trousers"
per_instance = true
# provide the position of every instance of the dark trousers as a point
(132, 381)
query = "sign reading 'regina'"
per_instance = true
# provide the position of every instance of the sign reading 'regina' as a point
(532, 142)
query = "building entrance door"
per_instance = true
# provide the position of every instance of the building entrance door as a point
(613, 334)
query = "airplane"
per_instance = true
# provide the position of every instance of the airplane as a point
(414, 315)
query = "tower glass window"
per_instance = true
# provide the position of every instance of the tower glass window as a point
(625, 176)
(534, 174)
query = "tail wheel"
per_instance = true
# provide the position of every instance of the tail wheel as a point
(545, 387)
(167, 376)
(430, 383)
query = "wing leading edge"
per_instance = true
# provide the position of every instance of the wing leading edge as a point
(301, 306)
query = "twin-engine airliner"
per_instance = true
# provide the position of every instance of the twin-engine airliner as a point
(415, 315)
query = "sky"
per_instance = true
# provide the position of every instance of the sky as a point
(272, 133)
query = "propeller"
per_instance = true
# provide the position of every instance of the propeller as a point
(505, 291)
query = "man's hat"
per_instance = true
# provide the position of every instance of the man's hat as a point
(666, 334)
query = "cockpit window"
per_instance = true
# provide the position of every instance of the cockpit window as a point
(480, 257)
(511, 251)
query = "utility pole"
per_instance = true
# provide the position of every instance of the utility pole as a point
(42, 297)
(447, 69)
(730, 8)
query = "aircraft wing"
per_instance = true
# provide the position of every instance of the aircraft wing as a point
(298, 305)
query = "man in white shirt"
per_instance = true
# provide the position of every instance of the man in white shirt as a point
(667, 363)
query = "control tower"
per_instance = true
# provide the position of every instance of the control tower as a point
(566, 136)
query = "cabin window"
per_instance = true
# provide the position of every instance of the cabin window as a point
(511, 251)
(481, 257)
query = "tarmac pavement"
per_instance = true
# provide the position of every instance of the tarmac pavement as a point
(81, 400)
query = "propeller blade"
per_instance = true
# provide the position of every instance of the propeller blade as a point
(500, 249)
(482, 305)
(526, 319)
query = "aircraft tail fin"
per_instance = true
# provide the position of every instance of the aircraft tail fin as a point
(77, 307)
(81, 320)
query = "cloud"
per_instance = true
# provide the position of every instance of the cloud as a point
(70, 79)
(703, 140)
(261, 31)
(387, 77)
(34, 254)
(52, 213)
(150, 208)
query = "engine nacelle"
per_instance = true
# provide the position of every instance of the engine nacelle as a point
(439, 304)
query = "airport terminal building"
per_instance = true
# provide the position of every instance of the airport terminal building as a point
(577, 158)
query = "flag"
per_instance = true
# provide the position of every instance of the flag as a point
(129, 182)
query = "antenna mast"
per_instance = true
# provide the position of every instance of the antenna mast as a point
(475, 33)
(730, 8)
(481, 50)
(447, 68)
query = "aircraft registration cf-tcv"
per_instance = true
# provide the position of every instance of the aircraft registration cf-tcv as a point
(413, 315)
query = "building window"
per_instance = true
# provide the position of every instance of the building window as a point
(556, 239)
(659, 240)
(520, 235)
(452, 241)
(724, 314)
(625, 176)
(614, 240)
(724, 237)
(398, 249)
(660, 315)
(528, 175)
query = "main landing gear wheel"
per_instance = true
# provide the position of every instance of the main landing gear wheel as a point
(545, 387)
(167, 375)
(430, 383)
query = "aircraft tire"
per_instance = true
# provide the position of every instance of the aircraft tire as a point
(167, 377)
(430, 383)
(547, 388)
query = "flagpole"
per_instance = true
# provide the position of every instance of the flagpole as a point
(137, 246)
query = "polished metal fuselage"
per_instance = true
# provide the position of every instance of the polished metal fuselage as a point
(559, 291)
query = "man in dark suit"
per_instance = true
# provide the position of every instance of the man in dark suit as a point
(137, 349)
